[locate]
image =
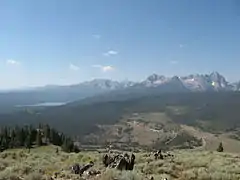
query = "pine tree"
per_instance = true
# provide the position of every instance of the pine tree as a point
(33, 135)
(52, 136)
(46, 131)
(39, 138)
(220, 147)
(65, 147)
(28, 142)
(6, 138)
(1, 142)
(26, 136)
(5, 132)
(59, 139)
(55, 137)
(12, 139)
(68, 145)
(71, 145)
(21, 137)
(4, 143)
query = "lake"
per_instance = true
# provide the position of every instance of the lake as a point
(43, 104)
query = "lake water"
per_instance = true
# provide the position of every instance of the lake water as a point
(43, 104)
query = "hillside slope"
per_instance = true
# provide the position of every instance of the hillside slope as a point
(42, 163)
(145, 130)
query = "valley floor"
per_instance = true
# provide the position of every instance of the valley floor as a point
(41, 163)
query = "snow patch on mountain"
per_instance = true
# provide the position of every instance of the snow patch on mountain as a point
(194, 82)
(197, 82)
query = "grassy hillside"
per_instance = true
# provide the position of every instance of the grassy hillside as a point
(42, 163)
(146, 130)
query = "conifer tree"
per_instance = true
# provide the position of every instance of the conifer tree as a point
(12, 139)
(39, 138)
(65, 146)
(46, 131)
(28, 142)
(220, 147)
(33, 135)
(26, 136)
(21, 137)
(52, 136)
(68, 145)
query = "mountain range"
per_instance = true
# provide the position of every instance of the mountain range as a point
(197, 82)
(106, 89)
(102, 101)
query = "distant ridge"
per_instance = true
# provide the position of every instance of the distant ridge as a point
(107, 89)
(194, 82)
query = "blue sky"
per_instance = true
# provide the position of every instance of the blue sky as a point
(64, 42)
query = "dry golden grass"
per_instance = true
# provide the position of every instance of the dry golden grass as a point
(43, 162)
(197, 165)
(212, 141)
(145, 134)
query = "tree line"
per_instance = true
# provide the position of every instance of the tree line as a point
(29, 137)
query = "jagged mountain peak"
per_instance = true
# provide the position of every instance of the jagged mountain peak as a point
(213, 81)
(102, 84)
(215, 73)
(154, 80)
(216, 76)
(218, 80)
(195, 82)
(177, 78)
(100, 80)
(155, 77)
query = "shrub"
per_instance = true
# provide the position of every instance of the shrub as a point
(220, 147)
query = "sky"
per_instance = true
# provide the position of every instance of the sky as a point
(70, 41)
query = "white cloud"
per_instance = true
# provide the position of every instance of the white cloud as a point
(96, 36)
(73, 67)
(12, 62)
(174, 62)
(104, 68)
(110, 53)
(107, 68)
(181, 45)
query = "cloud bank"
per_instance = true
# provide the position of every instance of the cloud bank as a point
(12, 62)
(104, 68)
(110, 53)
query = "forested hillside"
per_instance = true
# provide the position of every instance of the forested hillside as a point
(28, 137)
(212, 111)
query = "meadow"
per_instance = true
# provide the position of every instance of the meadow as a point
(41, 164)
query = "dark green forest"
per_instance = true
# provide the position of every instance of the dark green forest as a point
(220, 109)
(30, 137)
